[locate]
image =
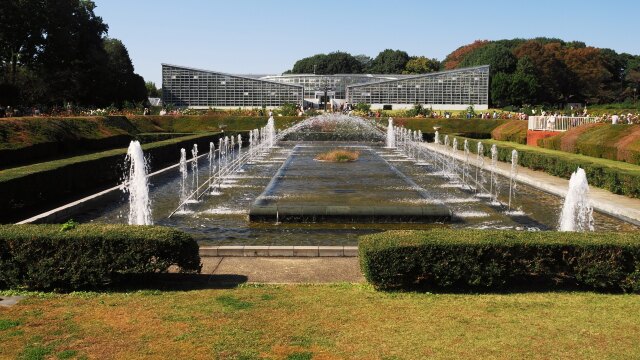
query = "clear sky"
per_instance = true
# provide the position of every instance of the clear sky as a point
(268, 36)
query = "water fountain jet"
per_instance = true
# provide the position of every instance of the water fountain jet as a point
(137, 186)
(577, 211)
(391, 136)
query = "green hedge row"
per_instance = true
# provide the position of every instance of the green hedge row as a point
(45, 257)
(514, 131)
(29, 140)
(206, 123)
(501, 260)
(475, 128)
(620, 179)
(36, 139)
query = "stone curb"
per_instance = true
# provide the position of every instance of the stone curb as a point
(278, 251)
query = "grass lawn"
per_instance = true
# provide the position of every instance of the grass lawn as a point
(321, 322)
(571, 156)
(16, 172)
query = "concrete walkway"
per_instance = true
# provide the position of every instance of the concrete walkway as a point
(282, 270)
(619, 206)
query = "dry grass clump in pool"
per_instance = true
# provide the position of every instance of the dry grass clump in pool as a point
(338, 155)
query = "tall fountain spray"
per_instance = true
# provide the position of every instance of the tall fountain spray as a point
(465, 167)
(444, 161)
(495, 185)
(436, 138)
(391, 136)
(220, 153)
(512, 176)
(194, 167)
(212, 149)
(577, 212)
(452, 157)
(137, 186)
(479, 165)
(271, 132)
(184, 191)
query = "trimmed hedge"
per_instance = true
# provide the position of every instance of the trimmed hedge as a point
(615, 142)
(45, 257)
(36, 139)
(493, 259)
(617, 177)
(207, 123)
(474, 128)
(514, 131)
(29, 140)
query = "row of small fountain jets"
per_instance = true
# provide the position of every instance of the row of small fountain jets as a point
(228, 158)
(224, 161)
(577, 211)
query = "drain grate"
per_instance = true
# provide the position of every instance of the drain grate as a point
(344, 191)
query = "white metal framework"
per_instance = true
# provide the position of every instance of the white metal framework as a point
(194, 88)
(453, 89)
(447, 90)
(558, 123)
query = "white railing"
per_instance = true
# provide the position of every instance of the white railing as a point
(558, 123)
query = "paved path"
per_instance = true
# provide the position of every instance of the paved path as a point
(619, 206)
(279, 270)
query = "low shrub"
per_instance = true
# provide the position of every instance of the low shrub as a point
(619, 178)
(494, 259)
(338, 155)
(51, 257)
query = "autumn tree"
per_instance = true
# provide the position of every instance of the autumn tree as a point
(421, 65)
(453, 60)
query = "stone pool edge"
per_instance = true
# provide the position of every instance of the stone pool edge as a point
(278, 251)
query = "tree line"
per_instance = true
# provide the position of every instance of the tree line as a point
(55, 52)
(523, 71)
(387, 62)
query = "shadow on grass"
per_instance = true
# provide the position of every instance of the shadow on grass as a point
(504, 289)
(177, 282)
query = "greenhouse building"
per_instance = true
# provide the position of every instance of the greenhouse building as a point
(446, 90)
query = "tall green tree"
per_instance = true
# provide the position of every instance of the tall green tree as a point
(152, 90)
(326, 64)
(365, 61)
(389, 62)
(55, 51)
(524, 86)
(124, 85)
(500, 89)
(498, 56)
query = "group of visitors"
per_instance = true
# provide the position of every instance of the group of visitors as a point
(615, 118)
(501, 115)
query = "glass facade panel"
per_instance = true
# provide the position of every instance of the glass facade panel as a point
(469, 86)
(187, 87)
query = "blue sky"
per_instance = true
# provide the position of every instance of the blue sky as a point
(268, 36)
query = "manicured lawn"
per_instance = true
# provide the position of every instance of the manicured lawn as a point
(321, 322)
(575, 157)
(448, 126)
(12, 173)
